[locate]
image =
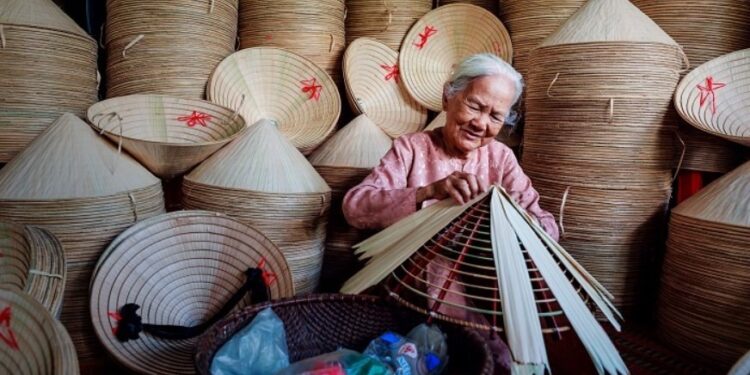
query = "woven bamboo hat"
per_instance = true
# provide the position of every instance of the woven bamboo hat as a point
(374, 87)
(488, 265)
(491, 5)
(33, 342)
(262, 169)
(32, 261)
(387, 21)
(168, 135)
(270, 83)
(49, 68)
(359, 144)
(714, 97)
(181, 268)
(440, 40)
(704, 281)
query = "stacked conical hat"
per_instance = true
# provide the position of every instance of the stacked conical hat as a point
(167, 47)
(74, 183)
(33, 342)
(598, 141)
(491, 5)
(32, 261)
(344, 161)
(488, 265)
(168, 135)
(387, 21)
(49, 67)
(703, 303)
(706, 30)
(263, 180)
(374, 87)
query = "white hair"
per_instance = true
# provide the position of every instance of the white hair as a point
(482, 65)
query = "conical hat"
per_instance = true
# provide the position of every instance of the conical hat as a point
(608, 21)
(261, 159)
(360, 144)
(726, 200)
(38, 13)
(69, 160)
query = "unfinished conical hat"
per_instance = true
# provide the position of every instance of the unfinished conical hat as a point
(715, 97)
(437, 122)
(725, 201)
(38, 13)
(70, 160)
(359, 144)
(374, 88)
(490, 257)
(261, 159)
(31, 340)
(275, 84)
(168, 135)
(608, 21)
(443, 38)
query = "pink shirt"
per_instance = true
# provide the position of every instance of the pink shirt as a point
(389, 193)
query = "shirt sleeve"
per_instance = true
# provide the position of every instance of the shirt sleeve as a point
(518, 185)
(383, 197)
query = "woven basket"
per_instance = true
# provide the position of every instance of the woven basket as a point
(166, 47)
(440, 40)
(374, 88)
(320, 324)
(167, 135)
(32, 261)
(182, 268)
(314, 30)
(270, 83)
(49, 68)
(706, 30)
(33, 341)
(387, 21)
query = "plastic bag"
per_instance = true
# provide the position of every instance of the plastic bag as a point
(432, 346)
(400, 354)
(258, 349)
(340, 362)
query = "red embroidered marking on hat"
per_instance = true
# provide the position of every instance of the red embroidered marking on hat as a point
(392, 72)
(195, 118)
(8, 336)
(425, 35)
(708, 90)
(268, 277)
(116, 316)
(312, 88)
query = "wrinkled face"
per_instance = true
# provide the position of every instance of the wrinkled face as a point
(475, 115)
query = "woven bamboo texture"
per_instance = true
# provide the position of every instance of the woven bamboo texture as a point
(169, 136)
(705, 30)
(491, 5)
(167, 47)
(49, 68)
(387, 21)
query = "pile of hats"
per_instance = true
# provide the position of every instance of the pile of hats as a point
(387, 20)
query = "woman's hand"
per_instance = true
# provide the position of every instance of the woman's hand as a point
(460, 186)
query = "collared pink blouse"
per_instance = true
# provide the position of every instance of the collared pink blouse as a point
(389, 193)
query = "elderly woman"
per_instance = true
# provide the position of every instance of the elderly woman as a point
(460, 161)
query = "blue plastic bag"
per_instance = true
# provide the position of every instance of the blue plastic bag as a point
(258, 349)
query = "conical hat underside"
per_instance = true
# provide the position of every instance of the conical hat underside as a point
(608, 21)
(360, 144)
(68, 161)
(38, 13)
(726, 200)
(261, 159)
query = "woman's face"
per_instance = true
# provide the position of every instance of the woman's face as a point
(475, 115)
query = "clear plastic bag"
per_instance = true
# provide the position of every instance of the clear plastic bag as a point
(432, 346)
(258, 349)
(340, 362)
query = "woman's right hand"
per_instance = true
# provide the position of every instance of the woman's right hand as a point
(460, 186)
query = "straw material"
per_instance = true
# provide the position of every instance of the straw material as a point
(169, 136)
(491, 5)
(85, 193)
(270, 83)
(702, 307)
(262, 169)
(166, 47)
(359, 144)
(49, 68)
(706, 30)
(387, 21)
(32, 261)
(530, 21)
(447, 260)
(742, 366)
(187, 261)
(374, 88)
(313, 29)
(440, 40)
(33, 342)
(714, 97)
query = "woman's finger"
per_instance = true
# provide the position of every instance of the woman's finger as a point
(473, 185)
(463, 188)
